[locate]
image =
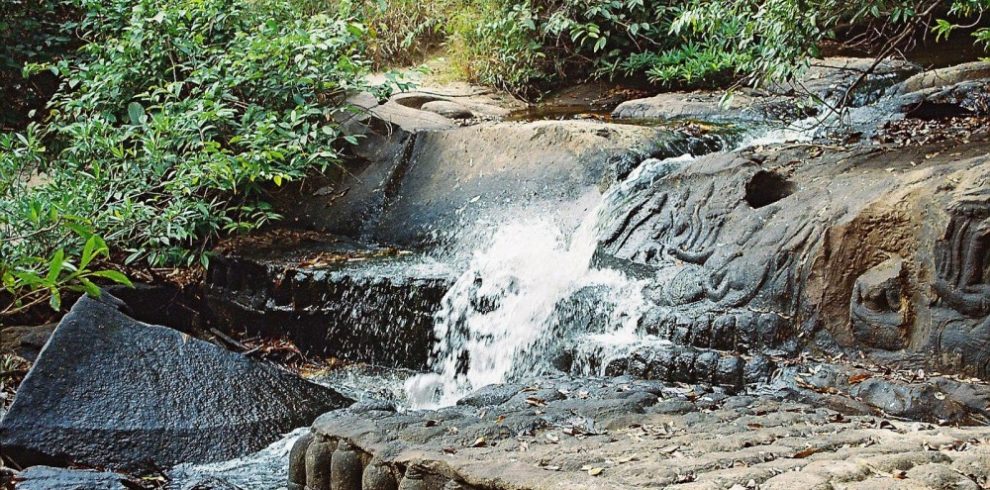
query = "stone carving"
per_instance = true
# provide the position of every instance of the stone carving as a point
(879, 311)
(792, 248)
(962, 283)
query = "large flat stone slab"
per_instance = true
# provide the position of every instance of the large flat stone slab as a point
(109, 391)
(415, 188)
(602, 433)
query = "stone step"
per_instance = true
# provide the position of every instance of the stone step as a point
(332, 298)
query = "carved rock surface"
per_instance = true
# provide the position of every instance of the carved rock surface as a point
(869, 248)
(109, 391)
(563, 432)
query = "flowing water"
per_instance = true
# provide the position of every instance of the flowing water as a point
(534, 287)
(528, 289)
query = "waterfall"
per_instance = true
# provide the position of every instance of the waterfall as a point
(533, 287)
(502, 314)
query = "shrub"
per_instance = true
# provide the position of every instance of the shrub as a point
(523, 44)
(171, 123)
(402, 32)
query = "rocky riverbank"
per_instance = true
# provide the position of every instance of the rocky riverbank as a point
(773, 295)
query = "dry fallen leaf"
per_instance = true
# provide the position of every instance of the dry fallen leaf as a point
(536, 402)
(804, 453)
(596, 471)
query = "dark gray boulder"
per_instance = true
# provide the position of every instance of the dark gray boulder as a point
(110, 391)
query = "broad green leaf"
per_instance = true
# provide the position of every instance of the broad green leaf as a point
(135, 112)
(55, 266)
(114, 276)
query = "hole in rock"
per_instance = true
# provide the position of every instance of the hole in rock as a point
(932, 111)
(767, 188)
(416, 101)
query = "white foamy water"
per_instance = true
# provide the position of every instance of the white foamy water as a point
(497, 315)
(534, 287)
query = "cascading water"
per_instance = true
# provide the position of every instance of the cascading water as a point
(533, 288)
(509, 302)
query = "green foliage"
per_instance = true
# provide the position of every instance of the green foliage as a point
(169, 126)
(522, 45)
(35, 266)
(401, 32)
(525, 45)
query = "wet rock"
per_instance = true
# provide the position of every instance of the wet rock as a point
(331, 298)
(209, 483)
(113, 392)
(421, 189)
(704, 106)
(50, 478)
(829, 79)
(297, 460)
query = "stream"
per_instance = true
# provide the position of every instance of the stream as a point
(528, 288)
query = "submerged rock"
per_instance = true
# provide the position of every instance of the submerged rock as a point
(112, 392)
(50, 478)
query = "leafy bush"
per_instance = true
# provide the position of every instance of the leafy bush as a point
(401, 32)
(525, 44)
(171, 123)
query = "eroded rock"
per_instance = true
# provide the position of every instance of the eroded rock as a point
(946, 76)
(812, 249)
(832, 79)
(717, 442)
